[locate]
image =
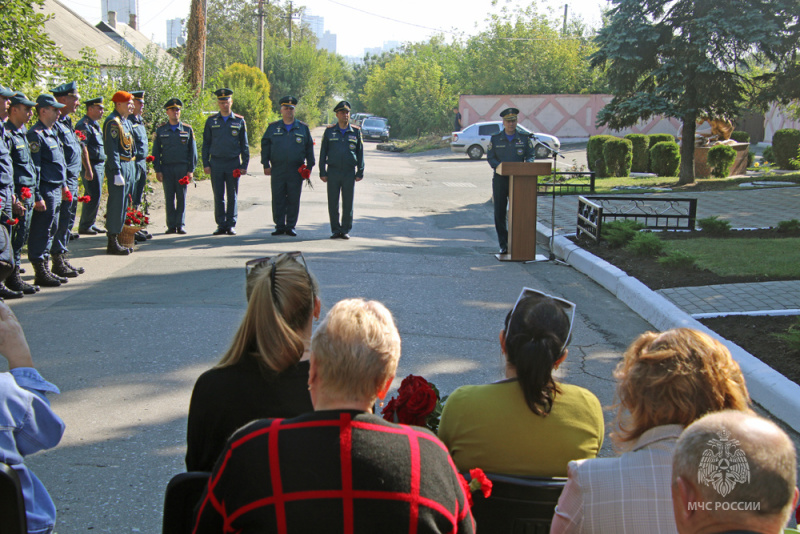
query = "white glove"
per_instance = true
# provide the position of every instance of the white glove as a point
(119, 180)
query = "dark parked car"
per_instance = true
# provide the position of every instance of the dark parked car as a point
(375, 128)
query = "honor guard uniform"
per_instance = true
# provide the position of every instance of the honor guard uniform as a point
(506, 147)
(225, 150)
(26, 181)
(140, 142)
(48, 157)
(285, 147)
(175, 154)
(92, 171)
(120, 168)
(341, 165)
(67, 94)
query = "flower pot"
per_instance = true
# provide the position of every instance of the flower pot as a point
(126, 238)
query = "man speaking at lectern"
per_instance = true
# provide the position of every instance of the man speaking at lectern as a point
(507, 145)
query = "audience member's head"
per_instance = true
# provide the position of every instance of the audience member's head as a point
(534, 342)
(354, 355)
(675, 377)
(282, 303)
(733, 470)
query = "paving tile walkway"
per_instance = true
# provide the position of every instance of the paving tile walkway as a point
(757, 208)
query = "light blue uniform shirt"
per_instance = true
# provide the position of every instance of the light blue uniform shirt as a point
(28, 425)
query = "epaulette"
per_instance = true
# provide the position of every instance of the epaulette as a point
(237, 116)
(353, 126)
(187, 125)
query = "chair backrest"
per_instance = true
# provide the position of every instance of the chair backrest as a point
(517, 505)
(183, 493)
(12, 503)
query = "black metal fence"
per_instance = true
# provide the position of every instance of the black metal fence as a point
(656, 213)
(561, 186)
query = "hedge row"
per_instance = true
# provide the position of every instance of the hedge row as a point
(608, 155)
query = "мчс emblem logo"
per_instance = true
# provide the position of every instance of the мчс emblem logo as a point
(723, 465)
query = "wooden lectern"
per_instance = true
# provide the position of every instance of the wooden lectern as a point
(523, 180)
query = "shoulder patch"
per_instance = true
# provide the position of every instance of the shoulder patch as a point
(34, 145)
(353, 126)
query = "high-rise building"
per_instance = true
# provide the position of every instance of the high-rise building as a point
(123, 8)
(175, 33)
(325, 39)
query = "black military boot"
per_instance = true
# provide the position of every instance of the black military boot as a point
(16, 283)
(60, 268)
(62, 279)
(79, 270)
(115, 248)
(6, 293)
(44, 277)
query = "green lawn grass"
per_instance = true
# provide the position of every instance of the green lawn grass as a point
(606, 186)
(738, 256)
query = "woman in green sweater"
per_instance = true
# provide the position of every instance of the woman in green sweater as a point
(526, 424)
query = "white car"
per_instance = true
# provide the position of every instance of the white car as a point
(474, 140)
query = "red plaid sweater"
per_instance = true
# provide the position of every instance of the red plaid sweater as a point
(334, 471)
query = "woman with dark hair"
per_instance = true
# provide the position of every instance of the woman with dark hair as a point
(264, 373)
(526, 424)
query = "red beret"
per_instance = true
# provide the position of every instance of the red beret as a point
(122, 96)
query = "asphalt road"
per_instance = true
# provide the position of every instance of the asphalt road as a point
(126, 341)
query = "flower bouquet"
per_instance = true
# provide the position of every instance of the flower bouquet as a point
(418, 403)
(135, 220)
(305, 174)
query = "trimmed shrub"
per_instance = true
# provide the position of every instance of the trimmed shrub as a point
(618, 154)
(740, 136)
(720, 159)
(645, 244)
(641, 143)
(619, 233)
(677, 259)
(594, 154)
(665, 158)
(751, 156)
(714, 226)
(785, 144)
(660, 138)
(768, 154)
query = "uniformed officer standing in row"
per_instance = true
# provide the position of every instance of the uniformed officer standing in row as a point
(120, 168)
(140, 142)
(225, 150)
(341, 165)
(67, 94)
(6, 181)
(285, 147)
(507, 145)
(48, 157)
(94, 158)
(5, 94)
(175, 154)
(26, 179)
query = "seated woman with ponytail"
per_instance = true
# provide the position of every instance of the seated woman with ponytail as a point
(526, 424)
(264, 373)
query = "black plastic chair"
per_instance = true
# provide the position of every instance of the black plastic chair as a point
(517, 505)
(182, 496)
(12, 504)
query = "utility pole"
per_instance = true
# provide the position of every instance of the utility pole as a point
(289, 19)
(260, 61)
(564, 31)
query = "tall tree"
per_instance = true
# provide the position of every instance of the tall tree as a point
(195, 44)
(25, 47)
(687, 58)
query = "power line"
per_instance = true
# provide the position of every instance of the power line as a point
(393, 20)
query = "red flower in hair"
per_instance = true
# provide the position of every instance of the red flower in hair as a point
(236, 173)
(25, 192)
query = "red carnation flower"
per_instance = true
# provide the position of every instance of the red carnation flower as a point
(237, 173)
(12, 222)
(25, 192)
(305, 172)
(150, 159)
(480, 480)
(80, 135)
(465, 488)
(66, 195)
(184, 181)
(85, 198)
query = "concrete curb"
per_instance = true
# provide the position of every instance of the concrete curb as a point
(770, 389)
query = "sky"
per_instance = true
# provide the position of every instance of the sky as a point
(361, 24)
